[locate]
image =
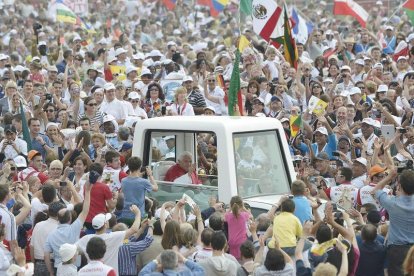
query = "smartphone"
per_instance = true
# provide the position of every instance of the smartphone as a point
(402, 130)
(63, 183)
(334, 207)
(163, 110)
(290, 196)
(335, 153)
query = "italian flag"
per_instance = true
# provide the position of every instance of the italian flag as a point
(409, 9)
(64, 14)
(351, 8)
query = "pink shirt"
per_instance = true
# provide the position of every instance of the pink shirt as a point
(237, 231)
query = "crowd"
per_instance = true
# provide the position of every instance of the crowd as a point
(74, 201)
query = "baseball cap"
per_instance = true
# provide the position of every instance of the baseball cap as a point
(259, 99)
(138, 56)
(120, 51)
(126, 146)
(134, 95)
(360, 62)
(322, 156)
(109, 86)
(32, 154)
(166, 138)
(382, 88)
(354, 90)
(139, 85)
(376, 169)
(378, 66)
(330, 80)
(10, 128)
(67, 251)
(146, 72)
(52, 69)
(402, 57)
(99, 220)
(166, 61)
(410, 37)
(187, 78)
(390, 28)
(20, 161)
(108, 118)
(171, 43)
(284, 120)
(3, 56)
(322, 130)
(210, 108)
(130, 69)
(155, 53)
(345, 67)
(361, 160)
(371, 122)
(343, 137)
(275, 98)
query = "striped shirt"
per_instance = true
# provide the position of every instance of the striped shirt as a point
(196, 99)
(128, 252)
(9, 221)
(97, 119)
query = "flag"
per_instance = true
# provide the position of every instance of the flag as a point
(243, 43)
(289, 44)
(316, 106)
(350, 7)
(408, 7)
(234, 95)
(65, 14)
(87, 27)
(25, 129)
(169, 4)
(301, 28)
(295, 125)
(216, 6)
(246, 7)
(401, 50)
(220, 80)
(265, 17)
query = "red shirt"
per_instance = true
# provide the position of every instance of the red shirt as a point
(100, 193)
(176, 171)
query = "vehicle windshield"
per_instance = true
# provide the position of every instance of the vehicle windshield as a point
(260, 164)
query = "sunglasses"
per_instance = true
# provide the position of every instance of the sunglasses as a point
(93, 104)
(211, 80)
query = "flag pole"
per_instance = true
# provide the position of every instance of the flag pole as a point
(396, 10)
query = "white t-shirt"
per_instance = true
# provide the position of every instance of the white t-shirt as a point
(112, 240)
(359, 181)
(183, 110)
(344, 195)
(218, 107)
(116, 108)
(97, 268)
(364, 196)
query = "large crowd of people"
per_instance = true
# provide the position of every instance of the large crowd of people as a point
(74, 201)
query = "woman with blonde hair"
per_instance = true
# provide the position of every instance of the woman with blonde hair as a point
(181, 106)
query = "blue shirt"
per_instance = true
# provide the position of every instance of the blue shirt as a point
(303, 209)
(400, 210)
(329, 147)
(191, 269)
(37, 146)
(127, 254)
(372, 258)
(64, 233)
(134, 189)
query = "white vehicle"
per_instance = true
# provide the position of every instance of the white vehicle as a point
(253, 157)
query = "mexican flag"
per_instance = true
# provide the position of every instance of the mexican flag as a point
(408, 7)
(65, 14)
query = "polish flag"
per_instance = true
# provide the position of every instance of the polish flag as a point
(350, 7)
(401, 50)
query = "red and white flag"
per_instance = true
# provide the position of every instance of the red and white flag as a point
(350, 7)
(401, 50)
(265, 15)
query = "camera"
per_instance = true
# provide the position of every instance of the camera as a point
(63, 183)
(357, 140)
(335, 153)
(37, 27)
(144, 172)
(404, 165)
(402, 130)
(48, 97)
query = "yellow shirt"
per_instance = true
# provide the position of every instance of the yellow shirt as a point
(287, 227)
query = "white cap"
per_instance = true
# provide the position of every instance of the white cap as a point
(388, 27)
(345, 67)
(187, 78)
(382, 88)
(402, 57)
(155, 53)
(146, 72)
(322, 130)
(99, 220)
(329, 32)
(42, 43)
(171, 43)
(167, 61)
(177, 32)
(109, 86)
(210, 108)
(355, 90)
(108, 118)
(258, 99)
(51, 124)
(330, 80)
(138, 56)
(111, 58)
(130, 120)
(371, 122)
(367, 58)
(3, 56)
(20, 68)
(148, 63)
(20, 161)
(360, 62)
(67, 251)
(139, 85)
(76, 37)
(410, 37)
(134, 96)
(284, 120)
(120, 51)
(166, 138)
(36, 58)
(130, 69)
(103, 41)
(378, 65)
(361, 160)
